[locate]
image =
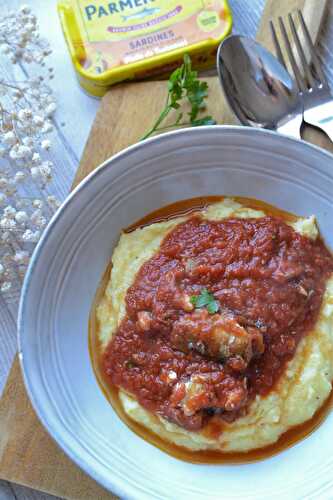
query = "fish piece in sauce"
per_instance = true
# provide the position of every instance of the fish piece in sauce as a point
(217, 336)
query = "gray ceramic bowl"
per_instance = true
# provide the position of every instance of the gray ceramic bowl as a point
(68, 264)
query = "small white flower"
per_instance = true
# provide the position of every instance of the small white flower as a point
(24, 115)
(35, 236)
(50, 109)
(28, 236)
(21, 257)
(29, 27)
(37, 203)
(53, 202)
(22, 203)
(24, 128)
(45, 170)
(25, 9)
(23, 152)
(13, 153)
(31, 18)
(28, 141)
(46, 144)
(39, 58)
(38, 121)
(19, 176)
(3, 182)
(10, 190)
(38, 219)
(9, 212)
(26, 151)
(6, 286)
(5, 236)
(21, 217)
(35, 172)
(9, 138)
(6, 223)
(48, 127)
(36, 158)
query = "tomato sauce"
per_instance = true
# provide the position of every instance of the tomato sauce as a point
(264, 276)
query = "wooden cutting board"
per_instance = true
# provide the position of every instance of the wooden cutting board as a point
(28, 455)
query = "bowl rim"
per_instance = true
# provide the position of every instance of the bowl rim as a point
(118, 487)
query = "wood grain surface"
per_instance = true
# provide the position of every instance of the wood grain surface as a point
(30, 457)
(27, 454)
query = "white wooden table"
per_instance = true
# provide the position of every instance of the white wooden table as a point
(76, 112)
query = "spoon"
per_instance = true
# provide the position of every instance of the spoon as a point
(257, 87)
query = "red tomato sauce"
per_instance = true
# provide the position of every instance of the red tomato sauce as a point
(266, 278)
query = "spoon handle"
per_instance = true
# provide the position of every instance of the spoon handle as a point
(324, 124)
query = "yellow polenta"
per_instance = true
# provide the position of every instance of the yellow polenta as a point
(301, 390)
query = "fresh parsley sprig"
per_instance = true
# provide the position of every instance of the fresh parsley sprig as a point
(183, 85)
(205, 299)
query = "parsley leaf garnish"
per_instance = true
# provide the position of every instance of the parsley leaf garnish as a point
(184, 85)
(206, 299)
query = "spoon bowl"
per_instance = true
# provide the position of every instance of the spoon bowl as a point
(257, 87)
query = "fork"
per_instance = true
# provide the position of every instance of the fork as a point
(312, 84)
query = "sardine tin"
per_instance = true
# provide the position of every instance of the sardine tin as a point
(113, 41)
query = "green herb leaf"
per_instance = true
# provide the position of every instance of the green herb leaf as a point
(213, 307)
(193, 299)
(205, 299)
(183, 86)
(207, 120)
(179, 118)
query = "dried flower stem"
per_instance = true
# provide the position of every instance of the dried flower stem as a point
(26, 110)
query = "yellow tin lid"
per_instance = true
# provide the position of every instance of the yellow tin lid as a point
(113, 41)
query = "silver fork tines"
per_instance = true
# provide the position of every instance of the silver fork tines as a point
(277, 45)
(313, 87)
(306, 67)
(306, 78)
(298, 75)
(314, 58)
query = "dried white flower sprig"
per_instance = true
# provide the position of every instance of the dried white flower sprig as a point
(26, 109)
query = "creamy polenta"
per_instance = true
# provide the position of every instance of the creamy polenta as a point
(302, 386)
